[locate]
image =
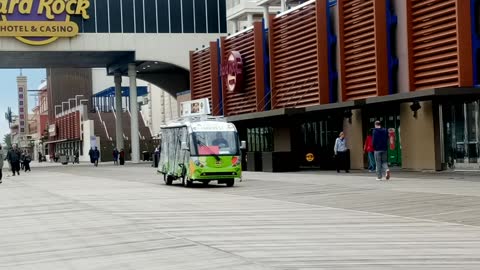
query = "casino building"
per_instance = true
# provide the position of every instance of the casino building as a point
(292, 82)
(129, 39)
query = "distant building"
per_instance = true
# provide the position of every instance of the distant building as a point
(242, 14)
(83, 113)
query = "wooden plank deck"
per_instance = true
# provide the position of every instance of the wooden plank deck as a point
(125, 218)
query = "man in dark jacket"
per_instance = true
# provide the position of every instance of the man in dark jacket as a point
(26, 162)
(90, 154)
(13, 157)
(380, 146)
(96, 156)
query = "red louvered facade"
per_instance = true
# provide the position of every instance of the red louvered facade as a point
(439, 43)
(363, 48)
(204, 76)
(68, 126)
(299, 57)
(342, 65)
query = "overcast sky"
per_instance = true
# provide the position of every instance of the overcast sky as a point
(8, 90)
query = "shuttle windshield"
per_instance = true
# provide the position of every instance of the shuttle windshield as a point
(220, 143)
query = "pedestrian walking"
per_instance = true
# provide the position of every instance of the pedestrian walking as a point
(2, 158)
(22, 159)
(122, 157)
(380, 144)
(156, 156)
(341, 153)
(115, 156)
(77, 157)
(96, 156)
(90, 154)
(368, 148)
(26, 162)
(13, 157)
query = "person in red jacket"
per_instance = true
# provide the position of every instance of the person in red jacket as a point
(368, 148)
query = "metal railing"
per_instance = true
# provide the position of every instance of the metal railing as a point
(103, 123)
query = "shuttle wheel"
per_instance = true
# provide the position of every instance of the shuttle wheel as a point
(186, 182)
(230, 182)
(168, 179)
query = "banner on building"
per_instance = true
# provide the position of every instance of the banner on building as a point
(93, 141)
(52, 130)
(195, 107)
(40, 22)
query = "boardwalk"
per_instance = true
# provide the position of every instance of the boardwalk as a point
(110, 218)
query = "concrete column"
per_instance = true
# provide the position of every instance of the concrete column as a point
(283, 5)
(135, 140)
(418, 138)
(354, 135)
(118, 111)
(266, 14)
(282, 140)
(235, 26)
(250, 19)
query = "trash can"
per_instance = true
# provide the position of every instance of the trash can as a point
(146, 156)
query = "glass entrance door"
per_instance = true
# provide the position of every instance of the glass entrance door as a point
(462, 135)
(391, 121)
(316, 141)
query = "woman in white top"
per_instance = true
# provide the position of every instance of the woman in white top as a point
(341, 153)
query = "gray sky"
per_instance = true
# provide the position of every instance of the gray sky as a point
(8, 90)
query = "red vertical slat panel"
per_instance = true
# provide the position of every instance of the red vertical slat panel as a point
(77, 125)
(70, 126)
(363, 48)
(204, 76)
(67, 126)
(250, 97)
(215, 89)
(322, 51)
(62, 127)
(298, 46)
(439, 44)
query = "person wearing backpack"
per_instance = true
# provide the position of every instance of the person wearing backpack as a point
(26, 162)
(380, 146)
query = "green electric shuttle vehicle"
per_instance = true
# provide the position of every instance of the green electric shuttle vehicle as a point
(200, 149)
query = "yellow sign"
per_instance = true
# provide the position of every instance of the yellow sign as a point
(40, 22)
(310, 157)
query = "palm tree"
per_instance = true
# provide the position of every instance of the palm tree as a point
(9, 116)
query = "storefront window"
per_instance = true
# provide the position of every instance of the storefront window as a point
(461, 134)
(260, 139)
